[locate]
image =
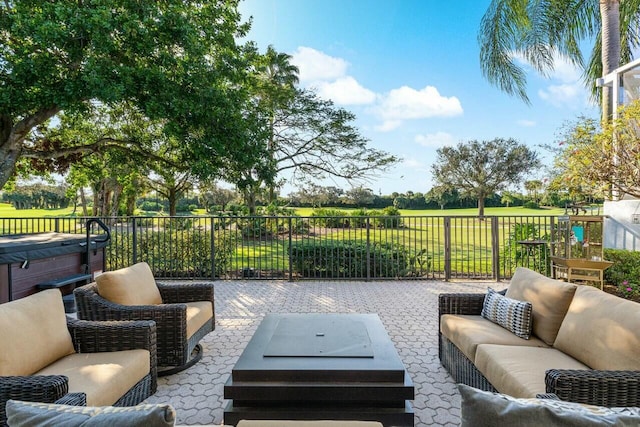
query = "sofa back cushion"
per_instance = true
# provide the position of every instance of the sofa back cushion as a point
(34, 333)
(601, 330)
(549, 298)
(133, 285)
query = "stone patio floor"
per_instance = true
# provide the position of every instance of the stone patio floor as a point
(408, 310)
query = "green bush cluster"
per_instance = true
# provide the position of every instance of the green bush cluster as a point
(174, 252)
(626, 266)
(348, 259)
(388, 217)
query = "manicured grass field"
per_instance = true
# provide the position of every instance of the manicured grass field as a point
(8, 211)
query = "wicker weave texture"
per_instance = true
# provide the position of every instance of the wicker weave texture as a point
(173, 346)
(88, 337)
(602, 388)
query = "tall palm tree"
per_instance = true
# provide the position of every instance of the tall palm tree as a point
(278, 79)
(540, 30)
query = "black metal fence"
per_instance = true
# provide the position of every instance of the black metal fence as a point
(349, 247)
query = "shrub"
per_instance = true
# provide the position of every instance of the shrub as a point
(150, 206)
(330, 218)
(174, 253)
(530, 204)
(626, 266)
(348, 259)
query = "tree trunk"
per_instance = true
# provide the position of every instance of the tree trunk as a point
(481, 206)
(610, 17)
(83, 202)
(173, 199)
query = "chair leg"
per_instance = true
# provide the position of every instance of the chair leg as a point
(196, 355)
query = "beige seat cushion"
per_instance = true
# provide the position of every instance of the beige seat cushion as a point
(550, 300)
(34, 333)
(104, 377)
(601, 330)
(198, 313)
(519, 371)
(133, 285)
(467, 332)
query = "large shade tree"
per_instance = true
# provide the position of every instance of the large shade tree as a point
(539, 31)
(478, 169)
(177, 61)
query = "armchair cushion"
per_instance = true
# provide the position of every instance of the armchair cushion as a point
(549, 298)
(134, 285)
(103, 377)
(34, 332)
(602, 331)
(34, 414)
(198, 313)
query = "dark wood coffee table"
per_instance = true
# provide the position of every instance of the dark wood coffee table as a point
(320, 367)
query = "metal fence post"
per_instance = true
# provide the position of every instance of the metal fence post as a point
(134, 241)
(495, 248)
(213, 248)
(368, 248)
(289, 249)
(447, 248)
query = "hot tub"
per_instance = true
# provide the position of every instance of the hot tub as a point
(27, 260)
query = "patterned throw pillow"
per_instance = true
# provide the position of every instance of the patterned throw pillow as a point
(509, 313)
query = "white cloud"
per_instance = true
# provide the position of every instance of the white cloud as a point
(412, 163)
(437, 140)
(565, 95)
(526, 123)
(565, 71)
(315, 66)
(346, 91)
(407, 103)
(329, 76)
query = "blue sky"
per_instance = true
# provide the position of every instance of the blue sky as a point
(409, 70)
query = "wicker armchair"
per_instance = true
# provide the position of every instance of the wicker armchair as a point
(178, 342)
(87, 337)
(594, 387)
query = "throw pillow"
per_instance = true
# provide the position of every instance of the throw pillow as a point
(134, 285)
(36, 414)
(511, 314)
(485, 409)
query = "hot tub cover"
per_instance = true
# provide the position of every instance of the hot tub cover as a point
(21, 247)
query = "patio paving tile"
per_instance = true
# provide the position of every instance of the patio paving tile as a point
(408, 310)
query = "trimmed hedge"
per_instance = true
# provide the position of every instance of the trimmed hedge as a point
(348, 259)
(174, 252)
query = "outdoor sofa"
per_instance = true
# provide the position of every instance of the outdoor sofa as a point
(48, 357)
(584, 344)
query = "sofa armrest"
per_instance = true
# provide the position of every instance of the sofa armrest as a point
(33, 388)
(593, 387)
(185, 292)
(100, 336)
(73, 399)
(460, 303)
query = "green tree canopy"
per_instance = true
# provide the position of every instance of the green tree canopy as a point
(477, 169)
(176, 61)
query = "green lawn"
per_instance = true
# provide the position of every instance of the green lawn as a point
(8, 211)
